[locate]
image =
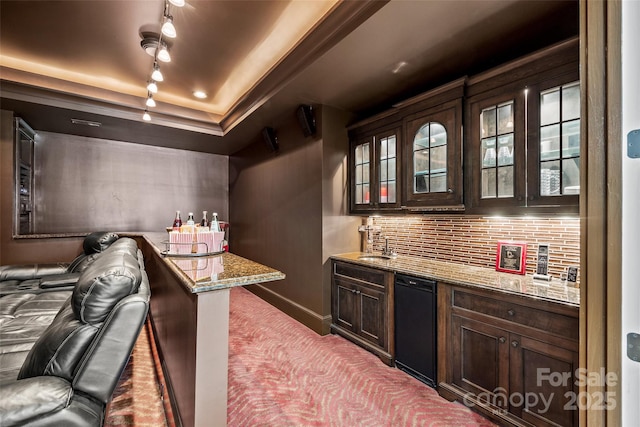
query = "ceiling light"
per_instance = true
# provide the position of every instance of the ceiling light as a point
(150, 102)
(152, 87)
(199, 94)
(163, 54)
(146, 117)
(156, 74)
(167, 28)
(178, 3)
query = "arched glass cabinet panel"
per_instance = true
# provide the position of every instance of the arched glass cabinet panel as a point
(430, 159)
(433, 178)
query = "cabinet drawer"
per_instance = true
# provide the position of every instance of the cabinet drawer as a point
(550, 322)
(361, 273)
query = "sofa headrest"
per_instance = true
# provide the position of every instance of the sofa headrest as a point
(105, 282)
(98, 241)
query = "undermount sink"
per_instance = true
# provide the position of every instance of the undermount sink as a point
(373, 257)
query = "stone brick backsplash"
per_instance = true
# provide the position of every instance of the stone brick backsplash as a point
(472, 240)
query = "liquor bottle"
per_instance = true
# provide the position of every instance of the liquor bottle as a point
(205, 221)
(177, 222)
(215, 225)
(190, 220)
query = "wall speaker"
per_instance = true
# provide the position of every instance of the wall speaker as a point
(269, 135)
(306, 119)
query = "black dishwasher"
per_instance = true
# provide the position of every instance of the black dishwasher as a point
(415, 327)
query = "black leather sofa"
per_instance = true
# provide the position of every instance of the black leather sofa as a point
(37, 278)
(69, 372)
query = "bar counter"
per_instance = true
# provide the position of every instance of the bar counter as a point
(189, 310)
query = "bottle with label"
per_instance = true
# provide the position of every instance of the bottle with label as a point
(205, 221)
(215, 225)
(190, 220)
(177, 222)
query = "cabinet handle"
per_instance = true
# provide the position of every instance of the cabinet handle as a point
(514, 343)
(503, 340)
(510, 312)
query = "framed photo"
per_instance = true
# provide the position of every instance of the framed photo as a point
(511, 257)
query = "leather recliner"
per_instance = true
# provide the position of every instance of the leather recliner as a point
(70, 373)
(37, 278)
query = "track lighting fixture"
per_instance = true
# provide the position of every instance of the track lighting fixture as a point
(156, 74)
(154, 45)
(163, 53)
(152, 87)
(167, 28)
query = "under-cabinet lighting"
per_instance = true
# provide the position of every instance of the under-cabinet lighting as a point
(146, 117)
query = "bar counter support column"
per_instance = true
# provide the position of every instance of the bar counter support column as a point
(212, 358)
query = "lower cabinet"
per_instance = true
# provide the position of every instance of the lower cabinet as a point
(513, 358)
(361, 307)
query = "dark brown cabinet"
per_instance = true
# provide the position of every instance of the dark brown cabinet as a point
(410, 158)
(522, 144)
(374, 160)
(361, 307)
(433, 158)
(513, 358)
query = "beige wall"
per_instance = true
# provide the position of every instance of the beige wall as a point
(287, 211)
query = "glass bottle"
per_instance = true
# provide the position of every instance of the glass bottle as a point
(190, 220)
(177, 222)
(205, 221)
(215, 225)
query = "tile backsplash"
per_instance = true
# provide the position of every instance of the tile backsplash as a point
(472, 240)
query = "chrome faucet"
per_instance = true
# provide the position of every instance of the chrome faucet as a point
(386, 251)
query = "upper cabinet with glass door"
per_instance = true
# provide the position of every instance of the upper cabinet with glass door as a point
(375, 170)
(433, 167)
(555, 157)
(523, 135)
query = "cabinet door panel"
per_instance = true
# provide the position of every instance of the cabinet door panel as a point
(345, 305)
(433, 170)
(372, 304)
(545, 376)
(480, 358)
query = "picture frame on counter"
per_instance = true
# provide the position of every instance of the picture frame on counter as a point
(511, 257)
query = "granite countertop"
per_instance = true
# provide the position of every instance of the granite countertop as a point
(464, 275)
(213, 272)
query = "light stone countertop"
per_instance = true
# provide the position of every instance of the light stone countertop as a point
(213, 272)
(470, 276)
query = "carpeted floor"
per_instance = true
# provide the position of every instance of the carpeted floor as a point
(283, 374)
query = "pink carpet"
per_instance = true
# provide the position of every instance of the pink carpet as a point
(283, 374)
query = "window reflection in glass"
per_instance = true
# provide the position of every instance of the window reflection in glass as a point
(430, 159)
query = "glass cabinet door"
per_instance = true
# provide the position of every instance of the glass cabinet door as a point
(362, 168)
(375, 170)
(432, 162)
(559, 149)
(497, 139)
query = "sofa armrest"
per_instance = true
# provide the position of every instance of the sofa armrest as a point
(59, 280)
(31, 271)
(30, 398)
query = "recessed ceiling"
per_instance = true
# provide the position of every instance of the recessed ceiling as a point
(254, 59)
